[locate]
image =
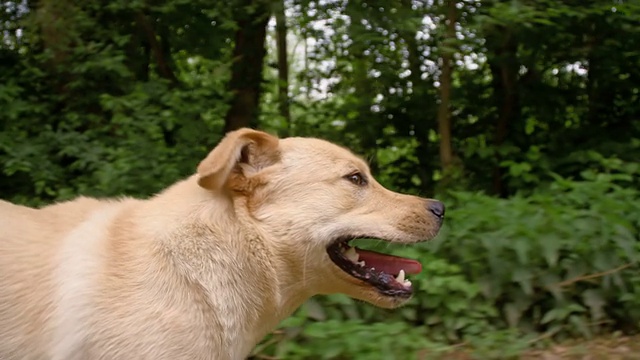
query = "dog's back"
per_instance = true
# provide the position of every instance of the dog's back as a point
(30, 241)
(78, 280)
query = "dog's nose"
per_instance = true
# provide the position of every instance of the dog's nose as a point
(437, 208)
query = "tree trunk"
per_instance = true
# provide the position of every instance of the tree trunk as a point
(369, 131)
(444, 112)
(283, 65)
(58, 32)
(248, 56)
(138, 53)
(419, 106)
(159, 49)
(504, 71)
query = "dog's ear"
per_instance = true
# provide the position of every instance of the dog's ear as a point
(243, 151)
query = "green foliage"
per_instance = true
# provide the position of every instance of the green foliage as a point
(147, 129)
(86, 111)
(353, 339)
(530, 254)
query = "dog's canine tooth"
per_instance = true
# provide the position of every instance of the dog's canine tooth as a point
(400, 277)
(352, 255)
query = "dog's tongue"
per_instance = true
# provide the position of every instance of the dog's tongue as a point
(388, 263)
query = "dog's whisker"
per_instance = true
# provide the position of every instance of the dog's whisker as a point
(304, 264)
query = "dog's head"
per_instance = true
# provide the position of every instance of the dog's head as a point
(312, 197)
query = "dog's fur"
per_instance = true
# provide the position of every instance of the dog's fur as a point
(204, 269)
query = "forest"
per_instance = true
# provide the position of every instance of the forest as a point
(523, 116)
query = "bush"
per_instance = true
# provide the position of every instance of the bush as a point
(133, 146)
(552, 262)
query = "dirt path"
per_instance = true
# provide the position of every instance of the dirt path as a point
(602, 348)
(610, 348)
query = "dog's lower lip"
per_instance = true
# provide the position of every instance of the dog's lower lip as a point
(386, 278)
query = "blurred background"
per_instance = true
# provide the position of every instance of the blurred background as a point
(523, 116)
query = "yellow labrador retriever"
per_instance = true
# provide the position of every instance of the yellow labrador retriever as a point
(206, 268)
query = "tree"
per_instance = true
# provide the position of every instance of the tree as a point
(283, 64)
(251, 19)
(444, 108)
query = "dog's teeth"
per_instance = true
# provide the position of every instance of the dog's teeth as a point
(406, 283)
(400, 277)
(352, 255)
(361, 263)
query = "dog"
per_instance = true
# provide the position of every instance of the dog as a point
(207, 267)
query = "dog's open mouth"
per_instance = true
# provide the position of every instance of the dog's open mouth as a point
(387, 273)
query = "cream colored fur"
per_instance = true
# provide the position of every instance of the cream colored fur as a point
(204, 269)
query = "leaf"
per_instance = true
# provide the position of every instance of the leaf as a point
(595, 301)
(581, 325)
(550, 245)
(512, 313)
(523, 276)
(315, 310)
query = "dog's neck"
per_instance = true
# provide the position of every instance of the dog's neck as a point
(279, 267)
(261, 291)
(249, 280)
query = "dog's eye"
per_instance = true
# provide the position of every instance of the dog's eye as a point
(357, 178)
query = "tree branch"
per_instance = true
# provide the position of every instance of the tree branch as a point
(591, 276)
